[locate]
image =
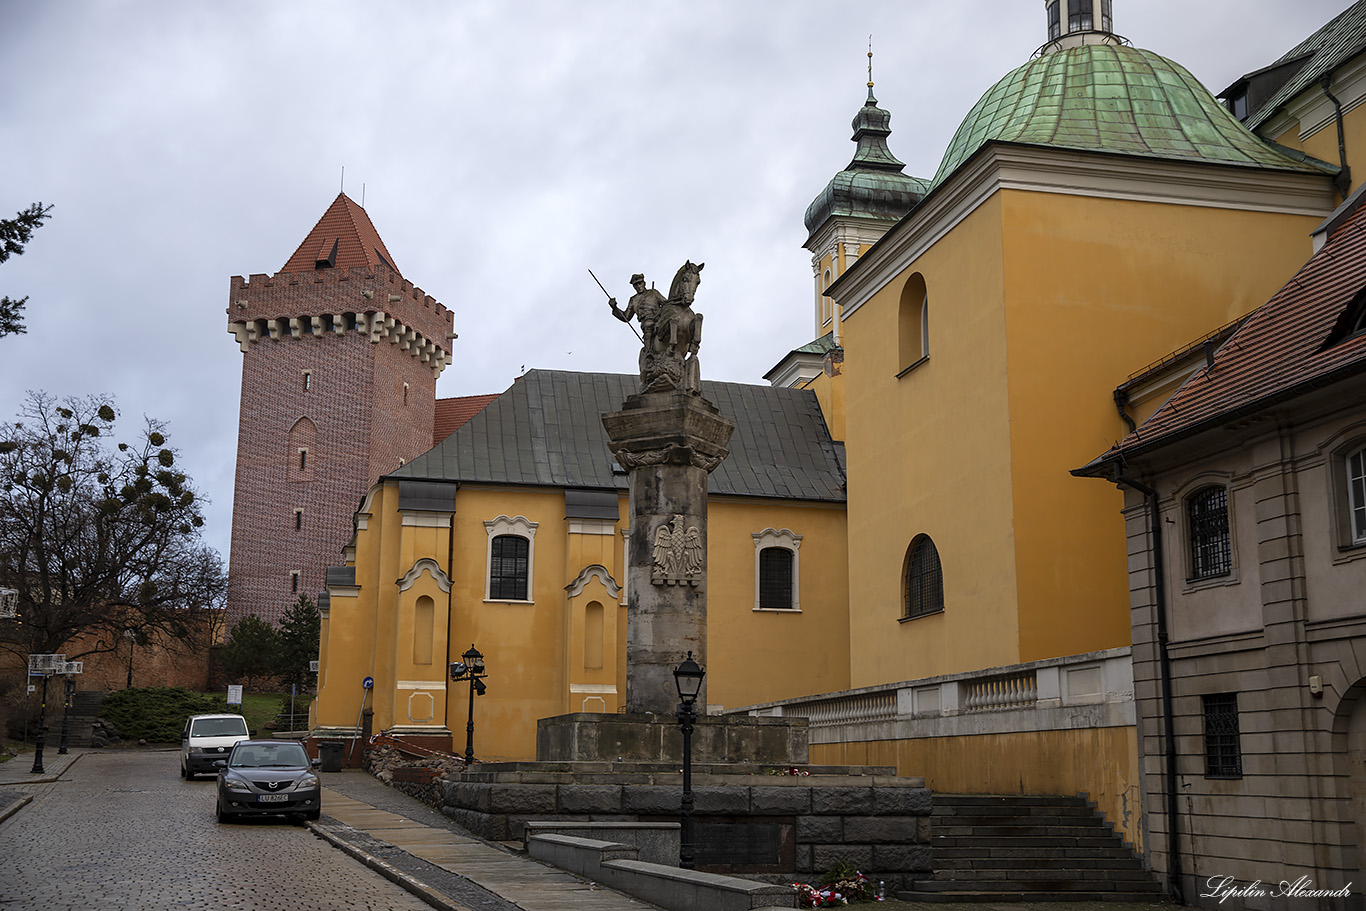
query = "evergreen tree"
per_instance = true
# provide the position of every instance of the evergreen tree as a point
(14, 233)
(252, 650)
(300, 629)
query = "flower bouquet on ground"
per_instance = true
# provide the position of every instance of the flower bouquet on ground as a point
(840, 886)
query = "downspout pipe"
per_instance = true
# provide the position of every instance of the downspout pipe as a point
(1165, 672)
(1343, 181)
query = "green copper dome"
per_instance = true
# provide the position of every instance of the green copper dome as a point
(873, 185)
(1110, 98)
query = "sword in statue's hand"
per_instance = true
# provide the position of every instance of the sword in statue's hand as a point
(613, 302)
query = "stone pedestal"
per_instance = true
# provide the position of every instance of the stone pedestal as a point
(669, 442)
(587, 737)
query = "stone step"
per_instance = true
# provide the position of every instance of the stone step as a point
(1010, 800)
(942, 809)
(1028, 886)
(1074, 874)
(969, 896)
(1021, 841)
(949, 825)
(1115, 851)
(1037, 862)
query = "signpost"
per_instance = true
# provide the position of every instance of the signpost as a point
(235, 696)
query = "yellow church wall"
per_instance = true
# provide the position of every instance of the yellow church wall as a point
(829, 392)
(523, 643)
(756, 656)
(1102, 762)
(928, 453)
(1323, 143)
(1096, 289)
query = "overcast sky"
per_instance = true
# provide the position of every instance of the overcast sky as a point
(502, 148)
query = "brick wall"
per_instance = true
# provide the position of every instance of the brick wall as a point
(350, 416)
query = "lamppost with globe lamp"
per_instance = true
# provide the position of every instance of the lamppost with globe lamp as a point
(44, 665)
(471, 669)
(688, 678)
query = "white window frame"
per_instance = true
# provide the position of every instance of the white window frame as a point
(788, 540)
(1356, 502)
(517, 526)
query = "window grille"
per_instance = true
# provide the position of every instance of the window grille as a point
(924, 579)
(1223, 751)
(508, 568)
(1207, 518)
(1054, 23)
(1079, 15)
(1356, 494)
(775, 578)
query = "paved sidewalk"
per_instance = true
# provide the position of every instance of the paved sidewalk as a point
(521, 881)
(19, 770)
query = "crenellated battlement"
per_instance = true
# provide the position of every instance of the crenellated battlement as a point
(372, 301)
(296, 294)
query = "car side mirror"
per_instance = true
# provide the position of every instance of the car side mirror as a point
(184, 736)
(251, 733)
(220, 763)
(315, 763)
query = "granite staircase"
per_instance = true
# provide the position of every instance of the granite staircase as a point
(85, 708)
(1028, 848)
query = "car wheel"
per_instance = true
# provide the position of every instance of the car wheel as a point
(313, 815)
(183, 773)
(222, 817)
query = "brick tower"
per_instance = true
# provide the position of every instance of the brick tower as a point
(339, 367)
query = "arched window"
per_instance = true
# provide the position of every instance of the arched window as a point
(302, 453)
(512, 554)
(1356, 494)
(508, 566)
(923, 579)
(1207, 531)
(913, 323)
(776, 577)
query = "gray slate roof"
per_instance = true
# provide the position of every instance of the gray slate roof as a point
(546, 431)
(1334, 44)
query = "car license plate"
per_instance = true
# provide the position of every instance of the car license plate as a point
(272, 798)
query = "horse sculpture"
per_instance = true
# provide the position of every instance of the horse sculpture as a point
(669, 360)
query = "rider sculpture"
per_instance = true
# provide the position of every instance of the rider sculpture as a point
(670, 331)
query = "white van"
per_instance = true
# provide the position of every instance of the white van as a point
(207, 738)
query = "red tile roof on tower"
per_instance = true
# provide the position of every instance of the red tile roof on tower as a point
(342, 239)
(1296, 342)
(451, 414)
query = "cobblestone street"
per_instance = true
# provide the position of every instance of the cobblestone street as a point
(123, 831)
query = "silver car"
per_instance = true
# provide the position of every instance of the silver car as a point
(268, 777)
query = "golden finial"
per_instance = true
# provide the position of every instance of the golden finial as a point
(870, 61)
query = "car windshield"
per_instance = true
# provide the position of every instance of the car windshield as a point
(268, 756)
(218, 727)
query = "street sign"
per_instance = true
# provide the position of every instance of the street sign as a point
(235, 695)
(368, 682)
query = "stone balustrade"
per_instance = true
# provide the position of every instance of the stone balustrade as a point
(1095, 689)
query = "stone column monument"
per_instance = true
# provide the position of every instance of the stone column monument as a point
(668, 438)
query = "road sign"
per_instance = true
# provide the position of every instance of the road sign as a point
(368, 682)
(235, 695)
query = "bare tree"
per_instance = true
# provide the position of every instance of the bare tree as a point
(98, 538)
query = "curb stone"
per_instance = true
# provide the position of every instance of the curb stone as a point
(407, 882)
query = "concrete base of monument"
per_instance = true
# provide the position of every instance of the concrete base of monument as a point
(757, 820)
(588, 737)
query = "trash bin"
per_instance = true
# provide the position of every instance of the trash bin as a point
(330, 752)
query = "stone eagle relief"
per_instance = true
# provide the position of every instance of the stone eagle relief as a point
(677, 554)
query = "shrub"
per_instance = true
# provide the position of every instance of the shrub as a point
(157, 714)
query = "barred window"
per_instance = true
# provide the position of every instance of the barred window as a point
(1356, 494)
(775, 578)
(1079, 15)
(924, 579)
(1223, 751)
(508, 564)
(1207, 526)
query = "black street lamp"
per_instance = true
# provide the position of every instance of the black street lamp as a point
(40, 739)
(471, 669)
(688, 678)
(70, 690)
